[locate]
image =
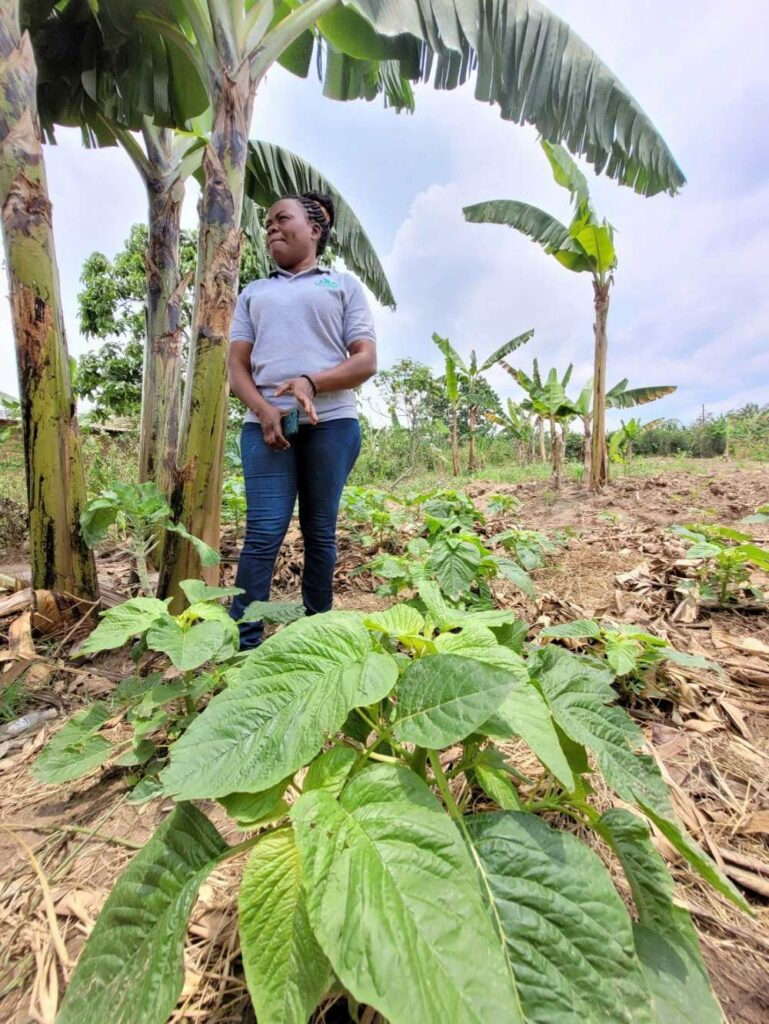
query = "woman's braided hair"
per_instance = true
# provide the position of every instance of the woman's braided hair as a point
(319, 207)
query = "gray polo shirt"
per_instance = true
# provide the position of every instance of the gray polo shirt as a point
(302, 323)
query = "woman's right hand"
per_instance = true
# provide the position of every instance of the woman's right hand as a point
(272, 428)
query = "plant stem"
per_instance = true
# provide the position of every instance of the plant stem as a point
(443, 786)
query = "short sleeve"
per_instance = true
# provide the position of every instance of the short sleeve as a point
(242, 326)
(358, 321)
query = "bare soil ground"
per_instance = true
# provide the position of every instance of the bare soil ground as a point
(62, 847)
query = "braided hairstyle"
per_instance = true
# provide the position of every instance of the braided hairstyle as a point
(319, 207)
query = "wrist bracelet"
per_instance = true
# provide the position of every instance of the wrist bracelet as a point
(313, 385)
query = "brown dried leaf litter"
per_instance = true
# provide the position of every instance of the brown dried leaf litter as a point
(710, 735)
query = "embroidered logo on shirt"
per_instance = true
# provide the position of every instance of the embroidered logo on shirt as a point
(327, 282)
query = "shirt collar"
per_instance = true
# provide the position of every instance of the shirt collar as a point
(279, 272)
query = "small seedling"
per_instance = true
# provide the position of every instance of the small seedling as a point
(728, 558)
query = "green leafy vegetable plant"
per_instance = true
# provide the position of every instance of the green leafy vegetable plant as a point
(361, 744)
(635, 657)
(144, 513)
(200, 645)
(373, 518)
(728, 557)
(234, 501)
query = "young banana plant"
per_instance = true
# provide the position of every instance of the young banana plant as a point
(470, 374)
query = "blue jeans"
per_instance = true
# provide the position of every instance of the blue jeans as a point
(314, 470)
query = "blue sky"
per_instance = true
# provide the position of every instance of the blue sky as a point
(691, 301)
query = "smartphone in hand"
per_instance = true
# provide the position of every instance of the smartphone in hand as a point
(290, 423)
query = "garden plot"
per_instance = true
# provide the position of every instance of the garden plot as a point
(615, 565)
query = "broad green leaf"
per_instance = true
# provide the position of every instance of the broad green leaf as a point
(132, 966)
(537, 225)
(279, 612)
(376, 676)
(252, 809)
(207, 555)
(703, 550)
(288, 695)
(524, 713)
(148, 788)
(690, 660)
(125, 620)
(598, 242)
(517, 575)
(75, 749)
(140, 753)
(511, 634)
(622, 653)
(490, 774)
(567, 933)
(692, 853)
(567, 173)
(400, 620)
(286, 971)
(580, 629)
(96, 519)
(444, 697)
(446, 617)
(455, 563)
(665, 938)
(753, 553)
(329, 770)
(197, 590)
(580, 697)
(476, 641)
(188, 648)
(385, 869)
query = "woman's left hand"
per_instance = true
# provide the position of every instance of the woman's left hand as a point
(301, 389)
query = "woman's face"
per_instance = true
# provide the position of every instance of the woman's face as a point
(291, 236)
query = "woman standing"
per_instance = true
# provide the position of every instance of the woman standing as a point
(300, 340)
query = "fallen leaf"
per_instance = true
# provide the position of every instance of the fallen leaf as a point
(756, 823)
(736, 716)
(20, 637)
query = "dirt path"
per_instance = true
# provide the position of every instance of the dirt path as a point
(711, 736)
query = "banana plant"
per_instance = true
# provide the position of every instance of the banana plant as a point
(621, 443)
(585, 246)
(60, 559)
(517, 424)
(618, 397)
(470, 374)
(549, 402)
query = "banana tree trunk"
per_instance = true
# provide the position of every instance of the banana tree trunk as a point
(541, 435)
(472, 423)
(56, 492)
(587, 426)
(162, 379)
(555, 454)
(599, 467)
(196, 493)
(454, 443)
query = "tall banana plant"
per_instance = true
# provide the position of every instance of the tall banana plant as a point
(365, 48)
(470, 374)
(617, 397)
(60, 559)
(548, 400)
(585, 246)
